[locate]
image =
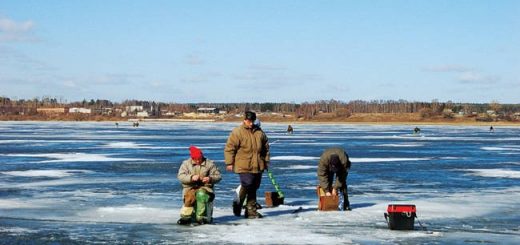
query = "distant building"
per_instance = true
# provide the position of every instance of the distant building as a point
(207, 110)
(57, 110)
(16, 110)
(134, 108)
(171, 113)
(447, 113)
(103, 111)
(80, 110)
(142, 114)
(490, 112)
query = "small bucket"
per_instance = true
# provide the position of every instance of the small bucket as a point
(273, 199)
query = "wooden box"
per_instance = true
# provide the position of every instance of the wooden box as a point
(328, 203)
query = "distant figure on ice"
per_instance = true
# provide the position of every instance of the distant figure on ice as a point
(117, 125)
(333, 170)
(491, 129)
(136, 124)
(197, 175)
(290, 129)
(247, 154)
(416, 130)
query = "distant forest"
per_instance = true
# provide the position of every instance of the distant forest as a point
(306, 109)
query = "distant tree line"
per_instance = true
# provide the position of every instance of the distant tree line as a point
(306, 109)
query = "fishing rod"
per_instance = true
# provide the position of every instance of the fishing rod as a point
(275, 184)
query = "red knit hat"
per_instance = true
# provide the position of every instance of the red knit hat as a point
(195, 152)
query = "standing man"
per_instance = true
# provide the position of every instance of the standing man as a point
(197, 175)
(334, 164)
(247, 154)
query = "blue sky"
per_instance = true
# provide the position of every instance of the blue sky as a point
(261, 51)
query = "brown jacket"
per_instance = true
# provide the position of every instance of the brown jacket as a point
(206, 169)
(247, 150)
(326, 177)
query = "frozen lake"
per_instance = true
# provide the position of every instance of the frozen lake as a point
(67, 183)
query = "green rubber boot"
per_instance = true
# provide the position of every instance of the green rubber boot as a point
(201, 207)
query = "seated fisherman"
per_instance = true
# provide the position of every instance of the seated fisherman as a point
(290, 129)
(197, 175)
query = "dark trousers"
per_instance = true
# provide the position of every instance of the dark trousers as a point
(344, 190)
(346, 202)
(250, 183)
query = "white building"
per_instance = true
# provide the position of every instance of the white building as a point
(208, 110)
(134, 108)
(80, 110)
(143, 114)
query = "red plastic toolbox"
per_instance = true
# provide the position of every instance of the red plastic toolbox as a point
(401, 216)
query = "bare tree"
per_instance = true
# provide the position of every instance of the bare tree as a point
(495, 106)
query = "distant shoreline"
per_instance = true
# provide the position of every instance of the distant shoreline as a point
(293, 122)
(321, 118)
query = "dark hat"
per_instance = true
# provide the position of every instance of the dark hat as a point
(249, 115)
(334, 163)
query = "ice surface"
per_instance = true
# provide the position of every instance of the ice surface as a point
(487, 148)
(366, 159)
(298, 158)
(45, 173)
(495, 173)
(76, 157)
(402, 145)
(299, 167)
(17, 204)
(94, 183)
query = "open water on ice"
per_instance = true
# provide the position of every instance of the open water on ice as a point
(68, 183)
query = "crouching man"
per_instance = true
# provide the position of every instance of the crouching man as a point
(197, 175)
(332, 174)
